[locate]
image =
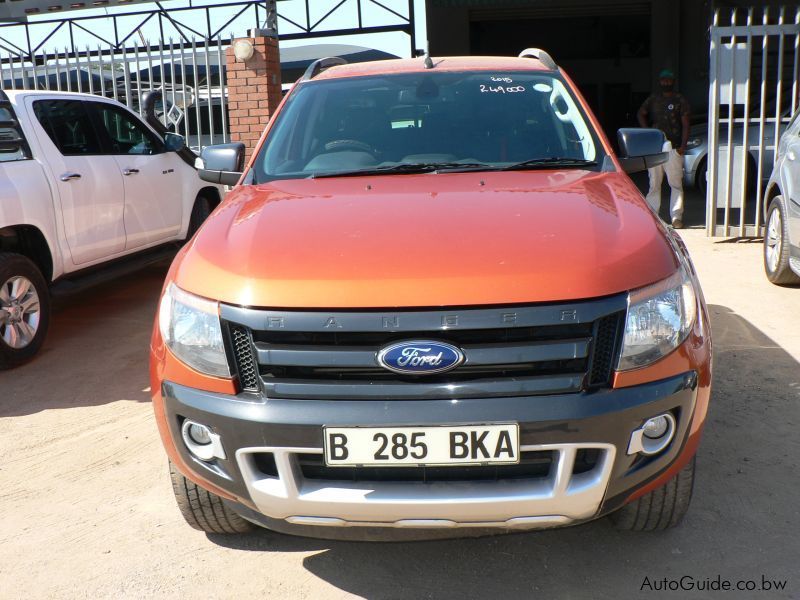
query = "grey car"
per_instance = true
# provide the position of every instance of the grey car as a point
(782, 216)
(695, 161)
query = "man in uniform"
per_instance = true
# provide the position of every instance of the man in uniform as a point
(668, 111)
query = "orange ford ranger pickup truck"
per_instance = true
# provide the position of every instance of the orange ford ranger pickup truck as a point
(433, 300)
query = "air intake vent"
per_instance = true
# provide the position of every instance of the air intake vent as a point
(604, 351)
(245, 361)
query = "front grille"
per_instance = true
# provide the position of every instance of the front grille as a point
(544, 349)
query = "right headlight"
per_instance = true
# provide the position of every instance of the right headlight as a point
(191, 329)
(660, 317)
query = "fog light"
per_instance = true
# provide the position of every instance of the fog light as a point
(201, 441)
(654, 436)
(656, 427)
(200, 434)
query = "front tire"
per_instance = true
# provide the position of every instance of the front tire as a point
(203, 510)
(24, 309)
(776, 246)
(660, 509)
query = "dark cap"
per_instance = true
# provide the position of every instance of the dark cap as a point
(666, 74)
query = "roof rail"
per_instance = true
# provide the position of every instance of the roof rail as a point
(540, 55)
(318, 66)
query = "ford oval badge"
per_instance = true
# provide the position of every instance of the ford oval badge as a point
(420, 357)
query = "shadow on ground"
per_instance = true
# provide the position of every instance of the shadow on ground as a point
(743, 522)
(96, 351)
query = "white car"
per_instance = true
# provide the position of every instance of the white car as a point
(83, 182)
(782, 237)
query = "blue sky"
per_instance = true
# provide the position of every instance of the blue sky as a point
(343, 17)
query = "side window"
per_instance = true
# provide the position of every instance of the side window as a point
(125, 133)
(68, 124)
(12, 141)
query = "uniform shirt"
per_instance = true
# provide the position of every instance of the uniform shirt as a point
(665, 112)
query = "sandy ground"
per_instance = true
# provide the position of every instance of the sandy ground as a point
(86, 509)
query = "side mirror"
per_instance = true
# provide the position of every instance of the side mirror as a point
(221, 163)
(641, 149)
(174, 142)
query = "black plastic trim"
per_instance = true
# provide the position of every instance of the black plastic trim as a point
(415, 320)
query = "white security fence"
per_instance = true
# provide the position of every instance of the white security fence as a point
(753, 93)
(190, 74)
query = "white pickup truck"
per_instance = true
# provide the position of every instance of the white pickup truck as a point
(87, 189)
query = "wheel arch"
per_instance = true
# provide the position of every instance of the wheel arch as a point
(212, 193)
(29, 241)
(773, 191)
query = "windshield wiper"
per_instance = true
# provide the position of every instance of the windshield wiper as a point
(409, 168)
(549, 163)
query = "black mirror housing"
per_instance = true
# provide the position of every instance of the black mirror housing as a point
(641, 149)
(174, 142)
(222, 163)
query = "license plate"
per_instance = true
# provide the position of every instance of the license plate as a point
(410, 446)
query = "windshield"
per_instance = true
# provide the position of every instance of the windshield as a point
(386, 123)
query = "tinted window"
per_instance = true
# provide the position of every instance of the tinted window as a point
(125, 133)
(68, 124)
(496, 119)
(13, 151)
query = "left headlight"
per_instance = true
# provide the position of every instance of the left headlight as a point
(191, 330)
(660, 317)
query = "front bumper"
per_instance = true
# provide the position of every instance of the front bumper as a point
(600, 420)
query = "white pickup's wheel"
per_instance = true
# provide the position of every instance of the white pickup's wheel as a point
(24, 309)
(776, 246)
(19, 311)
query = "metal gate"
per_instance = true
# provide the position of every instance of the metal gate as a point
(191, 75)
(109, 54)
(753, 92)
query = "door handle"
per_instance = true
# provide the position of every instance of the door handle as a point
(70, 176)
(130, 171)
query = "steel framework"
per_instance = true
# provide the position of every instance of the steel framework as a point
(33, 40)
(186, 62)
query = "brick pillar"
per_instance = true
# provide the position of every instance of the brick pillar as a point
(254, 89)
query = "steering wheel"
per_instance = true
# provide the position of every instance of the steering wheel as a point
(353, 145)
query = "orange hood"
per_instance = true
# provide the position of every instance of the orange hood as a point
(427, 240)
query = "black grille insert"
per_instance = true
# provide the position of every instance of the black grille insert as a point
(455, 336)
(245, 361)
(464, 373)
(532, 465)
(606, 339)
